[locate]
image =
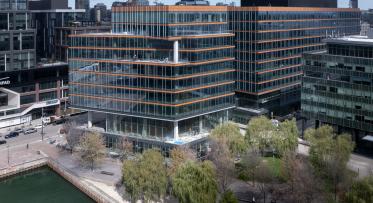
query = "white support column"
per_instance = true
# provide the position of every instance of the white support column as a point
(144, 127)
(176, 130)
(89, 119)
(221, 119)
(200, 124)
(176, 51)
(227, 116)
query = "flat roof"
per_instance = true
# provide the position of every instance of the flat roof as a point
(291, 9)
(59, 11)
(353, 40)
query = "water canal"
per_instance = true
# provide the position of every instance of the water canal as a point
(40, 186)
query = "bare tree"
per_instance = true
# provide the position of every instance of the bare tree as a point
(180, 155)
(264, 179)
(92, 149)
(72, 134)
(223, 160)
(304, 186)
(249, 162)
(126, 148)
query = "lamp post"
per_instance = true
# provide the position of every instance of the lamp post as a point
(42, 123)
(8, 155)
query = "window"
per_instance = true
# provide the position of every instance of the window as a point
(359, 68)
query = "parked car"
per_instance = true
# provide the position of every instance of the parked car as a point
(11, 134)
(2, 142)
(18, 130)
(59, 121)
(30, 130)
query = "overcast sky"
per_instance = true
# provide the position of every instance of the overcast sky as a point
(363, 4)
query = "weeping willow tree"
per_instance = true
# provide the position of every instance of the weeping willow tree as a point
(195, 183)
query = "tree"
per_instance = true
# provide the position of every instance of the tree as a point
(126, 148)
(249, 162)
(259, 133)
(179, 155)
(361, 191)
(228, 197)
(195, 183)
(263, 135)
(264, 178)
(231, 133)
(304, 185)
(146, 177)
(223, 160)
(72, 134)
(288, 139)
(92, 149)
(329, 154)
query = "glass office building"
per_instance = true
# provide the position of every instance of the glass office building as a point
(338, 86)
(164, 75)
(270, 42)
(25, 85)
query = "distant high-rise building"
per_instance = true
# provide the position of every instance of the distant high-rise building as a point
(83, 4)
(99, 12)
(291, 3)
(48, 4)
(354, 3)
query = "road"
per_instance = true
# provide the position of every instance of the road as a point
(50, 131)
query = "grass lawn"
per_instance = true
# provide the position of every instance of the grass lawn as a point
(274, 165)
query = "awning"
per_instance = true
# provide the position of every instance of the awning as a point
(368, 138)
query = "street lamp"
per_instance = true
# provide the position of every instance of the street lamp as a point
(42, 123)
(8, 154)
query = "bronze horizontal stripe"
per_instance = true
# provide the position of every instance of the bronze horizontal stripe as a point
(291, 9)
(279, 40)
(155, 90)
(152, 49)
(154, 64)
(155, 103)
(267, 81)
(170, 8)
(109, 35)
(287, 30)
(277, 69)
(269, 91)
(295, 20)
(157, 77)
(269, 61)
(171, 24)
(281, 49)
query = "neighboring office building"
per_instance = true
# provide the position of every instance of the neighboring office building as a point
(354, 3)
(83, 4)
(25, 87)
(61, 37)
(47, 4)
(163, 77)
(338, 86)
(291, 3)
(270, 42)
(45, 22)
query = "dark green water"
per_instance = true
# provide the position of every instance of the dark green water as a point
(40, 186)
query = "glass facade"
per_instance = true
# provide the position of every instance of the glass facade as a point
(270, 42)
(166, 68)
(338, 85)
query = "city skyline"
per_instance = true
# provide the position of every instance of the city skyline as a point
(363, 4)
